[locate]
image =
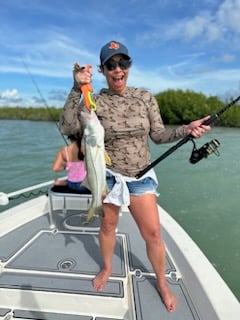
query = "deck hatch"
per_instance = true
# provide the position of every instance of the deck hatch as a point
(147, 299)
(49, 250)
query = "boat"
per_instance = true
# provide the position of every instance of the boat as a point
(49, 256)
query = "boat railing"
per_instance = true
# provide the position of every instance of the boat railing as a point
(5, 197)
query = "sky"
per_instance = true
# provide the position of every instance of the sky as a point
(177, 44)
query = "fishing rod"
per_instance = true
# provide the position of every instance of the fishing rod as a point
(197, 155)
(43, 99)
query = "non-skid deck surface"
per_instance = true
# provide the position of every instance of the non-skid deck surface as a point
(65, 260)
(68, 253)
(38, 315)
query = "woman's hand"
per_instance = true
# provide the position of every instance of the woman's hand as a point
(197, 128)
(81, 76)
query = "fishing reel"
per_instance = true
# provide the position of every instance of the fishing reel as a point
(203, 152)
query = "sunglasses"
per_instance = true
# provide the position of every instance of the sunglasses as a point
(123, 64)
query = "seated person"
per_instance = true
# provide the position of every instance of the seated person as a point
(71, 158)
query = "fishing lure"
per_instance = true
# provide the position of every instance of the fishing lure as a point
(86, 89)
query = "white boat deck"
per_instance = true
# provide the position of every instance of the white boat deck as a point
(47, 267)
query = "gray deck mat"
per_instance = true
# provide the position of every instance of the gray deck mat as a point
(4, 311)
(100, 318)
(148, 306)
(55, 283)
(138, 259)
(78, 252)
(14, 240)
(67, 252)
(20, 314)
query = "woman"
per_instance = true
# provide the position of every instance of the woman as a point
(129, 116)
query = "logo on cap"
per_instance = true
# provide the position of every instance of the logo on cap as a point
(114, 45)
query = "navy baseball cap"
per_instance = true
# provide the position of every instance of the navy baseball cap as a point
(111, 49)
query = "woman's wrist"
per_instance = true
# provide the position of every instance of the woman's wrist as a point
(182, 131)
(185, 130)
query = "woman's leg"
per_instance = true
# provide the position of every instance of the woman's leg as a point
(59, 182)
(145, 212)
(107, 241)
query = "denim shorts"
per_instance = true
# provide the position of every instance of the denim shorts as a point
(136, 188)
(77, 186)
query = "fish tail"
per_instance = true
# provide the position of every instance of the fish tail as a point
(90, 214)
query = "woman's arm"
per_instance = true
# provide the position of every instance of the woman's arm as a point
(69, 119)
(60, 162)
(161, 135)
(69, 122)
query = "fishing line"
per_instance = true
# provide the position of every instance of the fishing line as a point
(43, 99)
(187, 138)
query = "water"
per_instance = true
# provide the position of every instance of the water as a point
(203, 198)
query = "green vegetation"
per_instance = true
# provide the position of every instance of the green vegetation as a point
(176, 106)
(34, 114)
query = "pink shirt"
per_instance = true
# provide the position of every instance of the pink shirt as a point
(76, 170)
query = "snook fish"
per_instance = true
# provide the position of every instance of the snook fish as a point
(95, 161)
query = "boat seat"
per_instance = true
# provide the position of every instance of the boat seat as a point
(64, 192)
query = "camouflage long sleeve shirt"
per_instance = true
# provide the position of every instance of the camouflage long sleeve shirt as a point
(129, 120)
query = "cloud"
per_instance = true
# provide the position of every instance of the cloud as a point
(229, 15)
(10, 96)
(154, 81)
(173, 45)
(203, 26)
(58, 95)
(37, 100)
(225, 58)
(188, 29)
(208, 25)
(44, 52)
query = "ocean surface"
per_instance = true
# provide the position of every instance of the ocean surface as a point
(204, 198)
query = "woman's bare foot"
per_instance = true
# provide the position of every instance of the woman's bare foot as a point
(101, 279)
(168, 298)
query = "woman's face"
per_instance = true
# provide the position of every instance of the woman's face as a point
(116, 72)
